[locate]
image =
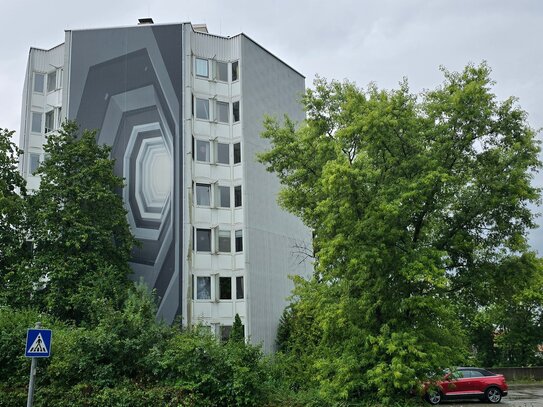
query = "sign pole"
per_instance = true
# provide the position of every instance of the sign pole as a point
(33, 366)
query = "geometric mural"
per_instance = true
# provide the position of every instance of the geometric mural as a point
(132, 92)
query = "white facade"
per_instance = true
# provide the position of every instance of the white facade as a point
(42, 106)
(232, 246)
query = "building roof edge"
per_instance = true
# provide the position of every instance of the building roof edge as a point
(46, 50)
(272, 54)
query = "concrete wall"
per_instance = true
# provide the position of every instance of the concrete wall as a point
(268, 87)
(519, 373)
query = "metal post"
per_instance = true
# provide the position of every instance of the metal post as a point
(33, 366)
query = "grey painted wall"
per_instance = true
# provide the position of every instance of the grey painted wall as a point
(126, 82)
(268, 87)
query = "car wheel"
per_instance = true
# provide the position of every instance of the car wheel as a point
(493, 395)
(433, 397)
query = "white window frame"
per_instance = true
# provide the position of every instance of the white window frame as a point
(217, 119)
(235, 63)
(55, 87)
(36, 156)
(210, 188)
(218, 291)
(234, 153)
(209, 155)
(224, 232)
(32, 121)
(242, 288)
(196, 99)
(196, 229)
(239, 112)
(218, 196)
(53, 123)
(198, 75)
(240, 196)
(59, 117)
(221, 336)
(235, 240)
(210, 288)
(43, 85)
(216, 144)
(216, 71)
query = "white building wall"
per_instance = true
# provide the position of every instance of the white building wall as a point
(215, 312)
(47, 103)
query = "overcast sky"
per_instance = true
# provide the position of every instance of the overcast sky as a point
(364, 41)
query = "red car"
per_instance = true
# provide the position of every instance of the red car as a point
(468, 383)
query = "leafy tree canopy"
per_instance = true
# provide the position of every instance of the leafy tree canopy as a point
(416, 202)
(128, 359)
(238, 331)
(12, 230)
(82, 241)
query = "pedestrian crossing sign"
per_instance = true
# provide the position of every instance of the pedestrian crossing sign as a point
(38, 343)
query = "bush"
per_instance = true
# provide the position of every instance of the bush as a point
(128, 359)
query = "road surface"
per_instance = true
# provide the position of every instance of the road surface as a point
(519, 396)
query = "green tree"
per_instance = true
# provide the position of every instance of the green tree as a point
(13, 288)
(507, 326)
(82, 241)
(414, 201)
(238, 331)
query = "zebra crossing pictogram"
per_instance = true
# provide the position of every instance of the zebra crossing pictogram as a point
(38, 346)
(38, 343)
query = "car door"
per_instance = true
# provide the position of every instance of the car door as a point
(458, 383)
(477, 381)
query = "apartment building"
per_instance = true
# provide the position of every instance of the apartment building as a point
(182, 110)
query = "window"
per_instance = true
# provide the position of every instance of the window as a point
(224, 332)
(49, 121)
(203, 288)
(222, 112)
(202, 151)
(33, 162)
(222, 71)
(473, 373)
(224, 197)
(237, 153)
(224, 241)
(225, 288)
(223, 153)
(239, 241)
(51, 81)
(459, 374)
(202, 109)
(203, 194)
(39, 81)
(28, 246)
(237, 196)
(235, 111)
(239, 288)
(36, 122)
(235, 71)
(59, 117)
(202, 69)
(203, 240)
